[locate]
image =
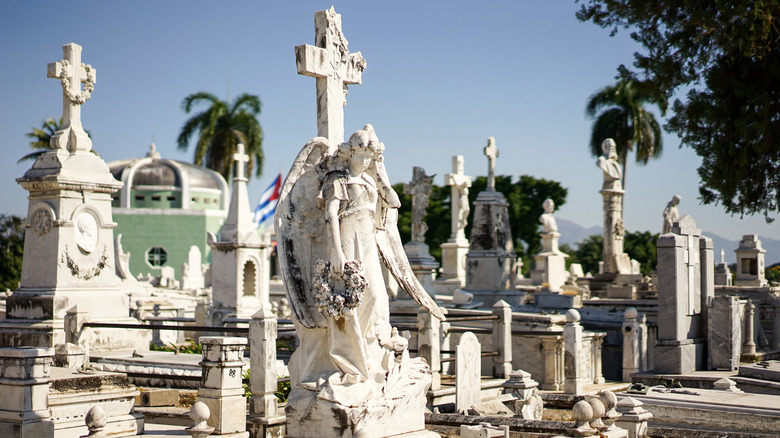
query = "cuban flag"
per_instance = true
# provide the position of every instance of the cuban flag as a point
(267, 204)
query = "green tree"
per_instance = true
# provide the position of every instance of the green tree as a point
(525, 197)
(11, 250)
(620, 115)
(221, 127)
(437, 217)
(588, 253)
(726, 54)
(41, 138)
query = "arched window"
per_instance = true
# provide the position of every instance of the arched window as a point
(250, 276)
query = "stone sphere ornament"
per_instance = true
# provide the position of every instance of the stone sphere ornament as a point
(199, 414)
(572, 315)
(96, 421)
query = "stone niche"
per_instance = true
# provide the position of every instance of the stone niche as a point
(750, 262)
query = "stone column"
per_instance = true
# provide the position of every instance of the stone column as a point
(598, 376)
(553, 363)
(429, 344)
(24, 385)
(631, 349)
(572, 344)
(262, 378)
(613, 232)
(776, 326)
(634, 417)
(221, 388)
(749, 346)
(502, 340)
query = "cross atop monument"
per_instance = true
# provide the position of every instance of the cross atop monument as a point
(241, 159)
(420, 189)
(491, 151)
(72, 73)
(335, 68)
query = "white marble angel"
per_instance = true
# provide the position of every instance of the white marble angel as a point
(336, 222)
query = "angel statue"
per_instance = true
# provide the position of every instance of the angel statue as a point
(335, 224)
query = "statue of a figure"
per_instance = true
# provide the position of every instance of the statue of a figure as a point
(547, 219)
(610, 165)
(336, 220)
(671, 215)
(421, 189)
(463, 206)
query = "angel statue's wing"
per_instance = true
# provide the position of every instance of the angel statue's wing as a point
(394, 257)
(299, 230)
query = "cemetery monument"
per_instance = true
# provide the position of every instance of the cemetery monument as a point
(615, 260)
(420, 259)
(671, 215)
(453, 252)
(351, 374)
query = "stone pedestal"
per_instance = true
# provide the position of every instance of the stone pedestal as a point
(453, 259)
(633, 417)
(24, 385)
(423, 265)
(491, 260)
(634, 344)
(574, 369)
(615, 260)
(723, 275)
(550, 267)
(750, 262)
(429, 344)
(221, 388)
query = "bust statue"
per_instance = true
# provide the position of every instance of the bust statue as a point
(547, 219)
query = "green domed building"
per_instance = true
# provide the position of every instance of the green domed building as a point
(165, 207)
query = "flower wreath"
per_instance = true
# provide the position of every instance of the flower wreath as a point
(89, 84)
(334, 301)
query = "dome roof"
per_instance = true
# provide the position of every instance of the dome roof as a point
(153, 172)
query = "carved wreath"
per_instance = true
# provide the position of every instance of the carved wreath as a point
(333, 301)
(81, 273)
(89, 84)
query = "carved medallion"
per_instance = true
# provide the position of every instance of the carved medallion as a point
(86, 232)
(42, 221)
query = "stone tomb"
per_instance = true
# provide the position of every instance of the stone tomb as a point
(685, 290)
(69, 245)
(453, 252)
(750, 262)
(491, 260)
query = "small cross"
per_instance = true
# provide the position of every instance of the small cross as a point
(72, 73)
(491, 151)
(241, 159)
(334, 67)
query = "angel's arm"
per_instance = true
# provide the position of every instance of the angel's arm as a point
(332, 219)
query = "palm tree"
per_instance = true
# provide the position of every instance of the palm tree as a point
(42, 138)
(221, 127)
(624, 119)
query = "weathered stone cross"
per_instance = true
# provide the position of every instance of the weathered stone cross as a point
(491, 151)
(334, 67)
(72, 73)
(460, 184)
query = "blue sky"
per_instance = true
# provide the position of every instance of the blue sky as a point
(441, 78)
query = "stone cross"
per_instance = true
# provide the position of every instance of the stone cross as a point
(334, 67)
(241, 159)
(72, 73)
(460, 184)
(491, 151)
(420, 189)
(722, 255)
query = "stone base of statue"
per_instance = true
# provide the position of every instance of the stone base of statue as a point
(423, 265)
(453, 259)
(398, 410)
(550, 264)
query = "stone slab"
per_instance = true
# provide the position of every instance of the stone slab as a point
(554, 300)
(769, 372)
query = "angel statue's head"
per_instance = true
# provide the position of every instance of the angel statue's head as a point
(358, 153)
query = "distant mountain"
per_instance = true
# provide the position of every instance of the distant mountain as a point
(573, 233)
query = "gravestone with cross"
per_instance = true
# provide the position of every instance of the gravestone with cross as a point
(453, 252)
(685, 290)
(69, 257)
(330, 62)
(420, 259)
(491, 152)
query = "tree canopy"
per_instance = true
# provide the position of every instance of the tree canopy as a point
(639, 245)
(221, 127)
(726, 56)
(11, 250)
